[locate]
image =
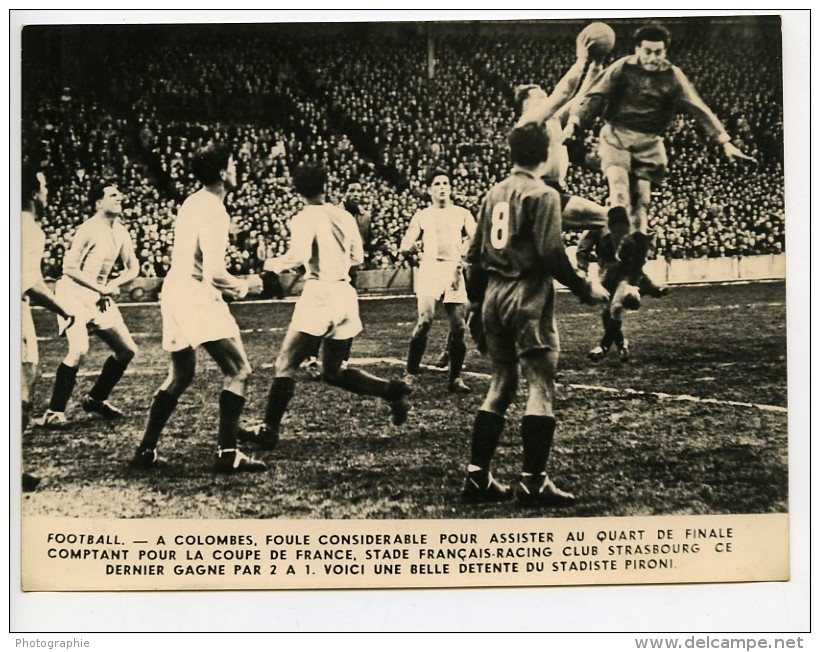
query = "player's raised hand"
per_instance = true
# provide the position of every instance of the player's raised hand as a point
(734, 153)
(568, 131)
(582, 45)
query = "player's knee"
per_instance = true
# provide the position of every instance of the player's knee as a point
(423, 327)
(457, 330)
(128, 353)
(241, 373)
(76, 355)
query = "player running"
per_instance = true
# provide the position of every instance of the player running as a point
(87, 289)
(439, 232)
(326, 241)
(194, 313)
(517, 251)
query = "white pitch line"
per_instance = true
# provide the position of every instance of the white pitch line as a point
(595, 388)
(687, 398)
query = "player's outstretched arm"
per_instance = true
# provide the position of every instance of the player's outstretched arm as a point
(41, 295)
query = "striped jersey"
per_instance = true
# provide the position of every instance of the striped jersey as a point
(442, 232)
(96, 246)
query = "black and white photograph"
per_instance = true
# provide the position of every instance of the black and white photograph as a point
(402, 303)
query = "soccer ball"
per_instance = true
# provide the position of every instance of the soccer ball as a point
(602, 39)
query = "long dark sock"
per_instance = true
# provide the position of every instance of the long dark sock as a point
(458, 349)
(537, 433)
(314, 349)
(633, 256)
(612, 333)
(162, 407)
(281, 391)
(110, 375)
(487, 429)
(360, 382)
(64, 381)
(618, 222)
(418, 345)
(230, 409)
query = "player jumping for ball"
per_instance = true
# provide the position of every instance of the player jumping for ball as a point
(639, 96)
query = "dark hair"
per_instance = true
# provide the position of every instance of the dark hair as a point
(528, 145)
(351, 182)
(522, 92)
(209, 161)
(434, 172)
(30, 183)
(652, 32)
(309, 179)
(97, 191)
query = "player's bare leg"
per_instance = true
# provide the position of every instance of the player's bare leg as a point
(66, 376)
(619, 202)
(479, 485)
(581, 213)
(418, 341)
(538, 431)
(229, 354)
(456, 314)
(124, 349)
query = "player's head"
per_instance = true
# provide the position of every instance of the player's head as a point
(34, 189)
(524, 94)
(438, 184)
(309, 180)
(651, 42)
(528, 145)
(353, 192)
(106, 198)
(213, 164)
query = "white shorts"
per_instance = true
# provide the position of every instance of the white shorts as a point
(193, 313)
(28, 351)
(327, 309)
(442, 280)
(82, 303)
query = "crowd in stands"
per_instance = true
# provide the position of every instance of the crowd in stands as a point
(377, 108)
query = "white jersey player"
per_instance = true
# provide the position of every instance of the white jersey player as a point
(325, 239)
(87, 289)
(194, 313)
(440, 233)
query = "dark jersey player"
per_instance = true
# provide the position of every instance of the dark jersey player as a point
(639, 96)
(518, 250)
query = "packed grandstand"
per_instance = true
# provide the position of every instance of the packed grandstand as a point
(378, 104)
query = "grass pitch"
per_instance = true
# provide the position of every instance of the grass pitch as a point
(694, 424)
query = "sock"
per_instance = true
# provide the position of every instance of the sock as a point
(487, 429)
(64, 382)
(110, 375)
(633, 256)
(537, 433)
(230, 409)
(458, 349)
(162, 407)
(416, 352)
(612, 334)
(281, 391)
(359, 382)
(314, 349)
(618, 222)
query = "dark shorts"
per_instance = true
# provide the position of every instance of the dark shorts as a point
(552, 183)
(519, 318)
(642, 155)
